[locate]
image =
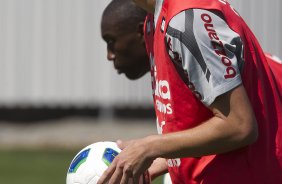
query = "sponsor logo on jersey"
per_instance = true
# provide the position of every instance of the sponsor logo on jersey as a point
(161, 90)
(174, 162)
(163, 25)
(218, 46)
(160, 126)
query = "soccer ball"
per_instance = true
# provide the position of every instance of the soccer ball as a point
(167, 179)
(90, 163)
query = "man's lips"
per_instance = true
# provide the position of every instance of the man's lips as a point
(119, 70)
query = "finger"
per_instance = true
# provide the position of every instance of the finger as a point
(127, 175)
(125, 178)
(122, 144)
(116, 177)
(136, 179)
(130, 181)
(146, 178)
(107, 173)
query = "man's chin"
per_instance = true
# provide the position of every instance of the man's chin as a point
(133, 76)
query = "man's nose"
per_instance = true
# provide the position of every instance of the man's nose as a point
(111, 56)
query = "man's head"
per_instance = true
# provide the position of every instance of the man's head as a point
(122, 30)
(148, 5)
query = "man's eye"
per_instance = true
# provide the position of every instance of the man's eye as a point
(110, 45)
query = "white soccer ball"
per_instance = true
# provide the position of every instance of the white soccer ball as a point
(90, 163)
(167, 179)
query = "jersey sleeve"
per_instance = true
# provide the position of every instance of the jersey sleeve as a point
(210, 53)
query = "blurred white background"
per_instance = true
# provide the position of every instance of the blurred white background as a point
(51, 53)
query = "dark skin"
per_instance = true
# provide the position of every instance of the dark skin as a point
(125, 47)
(233, 126)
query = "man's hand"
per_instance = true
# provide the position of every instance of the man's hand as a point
(158, 167)
(130, 164)
(232, 127)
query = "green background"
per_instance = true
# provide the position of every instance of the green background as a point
(36, 166)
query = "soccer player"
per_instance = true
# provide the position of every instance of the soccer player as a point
(123, 33)
(217, 104)
(124, 36)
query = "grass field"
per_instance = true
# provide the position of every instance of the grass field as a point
(36, 167)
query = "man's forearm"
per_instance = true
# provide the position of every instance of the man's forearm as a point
(209, 138)
(228, 130)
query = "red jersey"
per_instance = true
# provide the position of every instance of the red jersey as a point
(275, 65)
(181, 104)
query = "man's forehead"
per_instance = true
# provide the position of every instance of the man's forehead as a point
(118, 24)
(111, 24)
(112, 30)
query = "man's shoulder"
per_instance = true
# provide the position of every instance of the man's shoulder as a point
(189, 14)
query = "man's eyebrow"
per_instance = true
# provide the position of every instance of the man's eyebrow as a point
(107, 36)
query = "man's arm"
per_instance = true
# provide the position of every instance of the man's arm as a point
(201, 47)
(233, 126)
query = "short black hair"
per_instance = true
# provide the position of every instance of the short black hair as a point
(126, 12)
